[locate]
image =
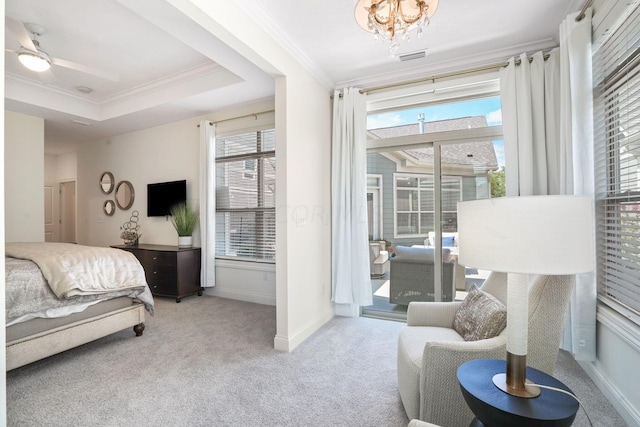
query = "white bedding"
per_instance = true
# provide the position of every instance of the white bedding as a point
(74, 270)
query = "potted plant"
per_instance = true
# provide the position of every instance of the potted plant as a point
(184, 219)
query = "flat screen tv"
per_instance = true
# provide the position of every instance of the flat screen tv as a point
(161, 196)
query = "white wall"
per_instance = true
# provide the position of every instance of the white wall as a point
(163, 153)
(303, 199)
(303, 115)
(66, 167)
(24, 178)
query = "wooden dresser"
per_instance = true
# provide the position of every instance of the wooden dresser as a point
(170, 271)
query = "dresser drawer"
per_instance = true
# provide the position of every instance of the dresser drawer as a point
(159, 260)
(162, 285)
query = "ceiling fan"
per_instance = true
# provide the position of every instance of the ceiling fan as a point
(34, 58)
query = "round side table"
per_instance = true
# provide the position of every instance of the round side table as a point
(493, 407)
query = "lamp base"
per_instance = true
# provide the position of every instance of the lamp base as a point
(514, 381)
(528, 391)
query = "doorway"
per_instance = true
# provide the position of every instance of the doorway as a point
(67, 205)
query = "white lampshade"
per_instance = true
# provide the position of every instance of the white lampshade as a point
(529, 235)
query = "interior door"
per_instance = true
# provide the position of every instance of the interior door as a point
(68, 212)
(49, 220)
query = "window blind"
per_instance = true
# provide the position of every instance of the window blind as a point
(245, 196)
(616, 63)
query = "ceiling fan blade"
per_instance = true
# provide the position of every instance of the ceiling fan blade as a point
(20, 33)
(47, 77)
(108, 75)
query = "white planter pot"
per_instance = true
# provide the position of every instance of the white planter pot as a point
(185, 241)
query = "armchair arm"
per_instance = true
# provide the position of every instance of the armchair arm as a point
(441, 399)
(432, 313)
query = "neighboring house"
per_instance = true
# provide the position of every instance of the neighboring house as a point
(406, 174)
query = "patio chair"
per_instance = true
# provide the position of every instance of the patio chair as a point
(412, 275)
(378, 259)
(430, 350)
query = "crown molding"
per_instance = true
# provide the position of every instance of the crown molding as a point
(448, 66)
(199, 79)
(260, 15)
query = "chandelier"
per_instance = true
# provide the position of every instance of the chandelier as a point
(393, 20)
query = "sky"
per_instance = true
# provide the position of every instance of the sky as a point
(488, 107)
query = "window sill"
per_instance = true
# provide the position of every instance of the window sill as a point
(245, 264)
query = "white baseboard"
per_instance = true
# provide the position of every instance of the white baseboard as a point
(284, 343)
(626, 410)
(241, 296)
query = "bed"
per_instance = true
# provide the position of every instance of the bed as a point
(62, 295)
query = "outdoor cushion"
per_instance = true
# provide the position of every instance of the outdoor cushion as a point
(448, 241)
(480, 316)
(421, 255)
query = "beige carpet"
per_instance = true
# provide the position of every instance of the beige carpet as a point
(210, 362)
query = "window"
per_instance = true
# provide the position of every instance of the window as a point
(374, 206)
(415, 204)
(617, 139)
(245, 196)
(250, 169)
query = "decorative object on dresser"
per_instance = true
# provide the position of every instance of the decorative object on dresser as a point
(184, 219)
(130, 230)
(170, 271)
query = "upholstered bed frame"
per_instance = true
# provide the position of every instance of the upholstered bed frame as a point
(39, 338)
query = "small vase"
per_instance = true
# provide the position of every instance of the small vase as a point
(133, 242)
(185, 241)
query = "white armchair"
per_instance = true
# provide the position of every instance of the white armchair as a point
(430, 350)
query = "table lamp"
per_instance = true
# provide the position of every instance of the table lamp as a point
(549, 235)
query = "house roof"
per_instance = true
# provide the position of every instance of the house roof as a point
(478, 154)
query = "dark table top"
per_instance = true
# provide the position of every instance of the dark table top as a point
(494, 407)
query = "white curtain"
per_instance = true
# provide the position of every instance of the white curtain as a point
(530, 111)
(577, 168)
(207, 202)
(547, 121)
(351, 281)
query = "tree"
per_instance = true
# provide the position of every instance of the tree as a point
(498, 188)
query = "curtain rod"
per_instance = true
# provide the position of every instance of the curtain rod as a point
(211, 123)
(586, 6)
(445, 75)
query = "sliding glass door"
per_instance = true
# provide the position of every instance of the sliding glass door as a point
(422, 171)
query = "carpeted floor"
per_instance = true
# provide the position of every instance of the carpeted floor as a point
(210, 362)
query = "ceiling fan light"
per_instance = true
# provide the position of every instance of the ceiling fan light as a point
(35, 61)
